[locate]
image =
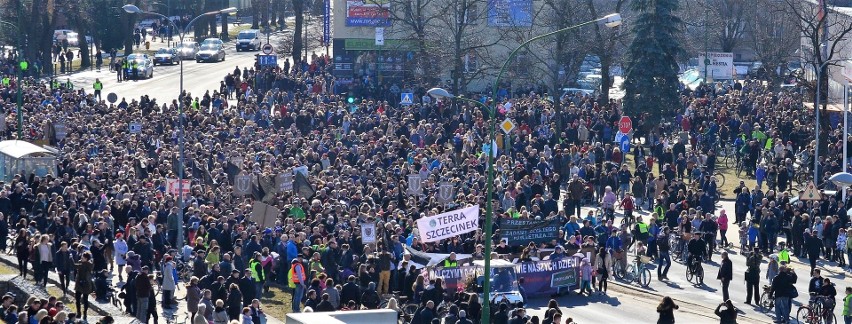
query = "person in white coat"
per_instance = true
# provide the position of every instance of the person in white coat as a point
(169, 283)
(120, 254)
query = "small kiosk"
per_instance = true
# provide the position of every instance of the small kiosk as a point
(17, 156)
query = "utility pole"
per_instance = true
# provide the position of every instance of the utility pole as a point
(706, 56)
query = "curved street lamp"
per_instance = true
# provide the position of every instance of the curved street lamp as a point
(133, 9)
(612, 20)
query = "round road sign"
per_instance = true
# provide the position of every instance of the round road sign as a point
(625, 125)
(267, 49)
(112, 97)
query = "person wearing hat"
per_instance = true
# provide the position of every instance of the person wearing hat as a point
(297, 280)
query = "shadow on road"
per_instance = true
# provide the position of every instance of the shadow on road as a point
(577, 301)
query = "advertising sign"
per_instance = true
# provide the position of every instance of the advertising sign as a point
(375, 13)
(326, 23)
(719, 67)
(449, 224)
(510, 13)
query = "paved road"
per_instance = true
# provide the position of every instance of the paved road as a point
(710, 294)
(624, 305)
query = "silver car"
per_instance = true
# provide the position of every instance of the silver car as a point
(144, 66)
(210, 53)
(187, 51)
(166, 56)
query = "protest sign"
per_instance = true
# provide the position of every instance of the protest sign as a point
(523, 231)
(264, 214)
(449, 224)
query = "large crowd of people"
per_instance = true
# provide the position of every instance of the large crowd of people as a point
(105, 210)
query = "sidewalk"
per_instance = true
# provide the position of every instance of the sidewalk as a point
(119, 314)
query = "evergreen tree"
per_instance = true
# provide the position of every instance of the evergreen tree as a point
(651, 81)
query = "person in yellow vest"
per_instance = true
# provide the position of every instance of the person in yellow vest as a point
(451, 261)
(847, 306)
(68, 84)
(783, 254)
(6, 81)
(135, 66)
(98, 86)
(54, 84)
(297, 280)
(195, 104)
(257, 274)
(640, 231)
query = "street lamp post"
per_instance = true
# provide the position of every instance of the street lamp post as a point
(612, 21)
(816, 111)
(129, 8)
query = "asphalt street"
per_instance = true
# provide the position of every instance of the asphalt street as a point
(709, 295)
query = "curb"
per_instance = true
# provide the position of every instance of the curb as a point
(102, 309)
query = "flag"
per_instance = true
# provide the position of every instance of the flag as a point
(232, 170)
(302, 187)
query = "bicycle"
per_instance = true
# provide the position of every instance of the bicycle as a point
(172, 318)
(637, 272)
(815, 312)
(695, 272)
(629, 221)
(767, 299)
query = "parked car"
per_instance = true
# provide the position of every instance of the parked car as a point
(166, 56)
(210, 53)
(187, 51)
(144, 64)
(248, 40)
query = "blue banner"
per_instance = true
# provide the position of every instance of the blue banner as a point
(326, 23)
(510, 13)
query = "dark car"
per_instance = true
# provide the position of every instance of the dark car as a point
(210, 53)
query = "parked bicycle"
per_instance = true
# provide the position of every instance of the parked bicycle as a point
(767, 299)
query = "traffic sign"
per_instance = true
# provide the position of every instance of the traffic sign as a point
(266, 60)
(507, 125)
(112, 97)
(406, 98)
(625, 125)
(810, 193)
(267, 49)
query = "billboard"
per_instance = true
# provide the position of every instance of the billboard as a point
(720, 66)
(371, 13)
(510, 13)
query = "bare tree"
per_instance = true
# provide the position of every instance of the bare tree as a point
(467, 41)
(774, 38)
(417, 19)
(819, 49)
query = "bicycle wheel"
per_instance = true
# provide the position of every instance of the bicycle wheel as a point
(720, 178)
(410, 309)
(830, 318)
(689, 275)
(730, 162)
(765, 302)
(803, 314)
(645, 278)
(630, 273)
(618, 271)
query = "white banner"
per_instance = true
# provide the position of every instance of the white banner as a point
(720, 67)
(172, 186)
(380, 36)
(449, 224)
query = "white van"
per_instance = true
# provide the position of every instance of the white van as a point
(248, 40)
